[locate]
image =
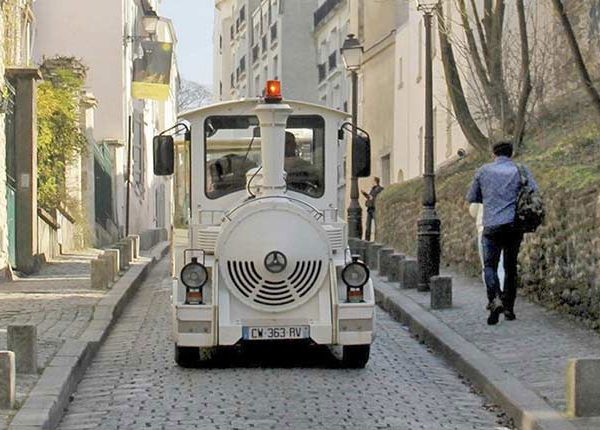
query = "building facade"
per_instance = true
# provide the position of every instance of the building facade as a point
(130, 199)
(18, 183)
(260, 40)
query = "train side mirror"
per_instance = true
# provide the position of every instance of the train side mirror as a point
(361, 156)
(164, 155)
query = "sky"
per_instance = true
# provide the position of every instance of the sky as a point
(193, 21)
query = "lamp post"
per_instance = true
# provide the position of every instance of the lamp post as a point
(429, 226)
(352, 52)
(150, 22)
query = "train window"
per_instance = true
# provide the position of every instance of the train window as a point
(305, 155)
(233, 144)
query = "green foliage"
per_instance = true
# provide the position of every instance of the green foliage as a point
(60, 139)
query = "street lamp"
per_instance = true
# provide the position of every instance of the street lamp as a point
(352, 52)
(150, 22)
(429, 226)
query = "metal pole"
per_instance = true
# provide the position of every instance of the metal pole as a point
(429, 225)
(354, 209)
(129, 126)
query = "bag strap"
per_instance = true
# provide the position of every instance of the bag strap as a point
(522, 174)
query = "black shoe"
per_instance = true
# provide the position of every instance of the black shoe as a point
(509, 315)
(495, 310)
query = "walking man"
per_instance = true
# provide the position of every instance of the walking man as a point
(497, 186)
(371, 196)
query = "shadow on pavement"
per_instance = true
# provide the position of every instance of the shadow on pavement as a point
(271, 354)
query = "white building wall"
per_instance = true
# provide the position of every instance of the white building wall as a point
(110, 61)
(289, 56)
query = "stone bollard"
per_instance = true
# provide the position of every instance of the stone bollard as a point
(114, 255)
(109, 268)
(7, 380)
(131, 244)
(124, 253)
(582, 388)
(22, 340)
(441, 292)
(99, 274)
(408, 273)
(353, 244)
(358, 247)
(373, 255)
(394, 270)
(136, 245)
(385, 255)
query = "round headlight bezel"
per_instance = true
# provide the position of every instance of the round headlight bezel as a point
(194, 264)
(363, 266)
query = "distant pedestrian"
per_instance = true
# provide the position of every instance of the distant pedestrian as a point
(476, 211)
(499, 186)
(371, 197)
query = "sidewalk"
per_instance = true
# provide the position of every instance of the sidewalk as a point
(59, 301)
(534, 349)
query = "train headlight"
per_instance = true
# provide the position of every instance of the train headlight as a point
(355, 275)
(194, 275)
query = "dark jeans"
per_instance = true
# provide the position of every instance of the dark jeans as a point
(495, 241)
(370, 220)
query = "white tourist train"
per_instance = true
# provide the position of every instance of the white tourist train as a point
(267, 257)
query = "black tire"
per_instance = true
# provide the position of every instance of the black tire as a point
(355, 356)
(187, 356)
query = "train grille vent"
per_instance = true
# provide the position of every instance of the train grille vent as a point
(251, 285)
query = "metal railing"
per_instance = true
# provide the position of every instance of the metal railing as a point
(324, 10)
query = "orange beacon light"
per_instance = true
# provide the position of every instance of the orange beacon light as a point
(273, 93)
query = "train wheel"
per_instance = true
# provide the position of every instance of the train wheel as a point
(356, 356)
(187, 356)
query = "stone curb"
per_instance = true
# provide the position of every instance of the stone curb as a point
(528, 409)
(49, 398)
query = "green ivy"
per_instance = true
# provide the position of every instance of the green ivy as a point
(60, 138)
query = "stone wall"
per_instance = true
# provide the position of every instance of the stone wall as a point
(559, 264)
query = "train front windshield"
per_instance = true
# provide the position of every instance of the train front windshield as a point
(233, 145)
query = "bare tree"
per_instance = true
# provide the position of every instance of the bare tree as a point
(192, 95)
(495, 95)
(559, 8)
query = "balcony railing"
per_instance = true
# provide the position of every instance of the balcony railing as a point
(332, 61)
(255, 53)
(324, 10)
(273, 33)
(322, 71)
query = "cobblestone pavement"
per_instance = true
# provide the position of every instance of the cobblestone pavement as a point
(58, 300)
(534, 348)
(133, 383)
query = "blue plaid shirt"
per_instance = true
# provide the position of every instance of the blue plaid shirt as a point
(497, 186)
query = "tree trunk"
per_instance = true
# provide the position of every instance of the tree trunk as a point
(576, 51)
(519, 128)
(460, 106)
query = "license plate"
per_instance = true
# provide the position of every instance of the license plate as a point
(276, 333)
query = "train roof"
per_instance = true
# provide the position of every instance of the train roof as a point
(244, 104)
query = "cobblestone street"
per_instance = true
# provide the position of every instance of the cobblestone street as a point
(58, 301)
(134, 383)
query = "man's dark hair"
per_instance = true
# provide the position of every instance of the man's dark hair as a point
(377, 180)
(502, 148)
